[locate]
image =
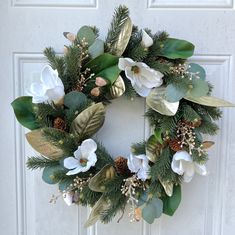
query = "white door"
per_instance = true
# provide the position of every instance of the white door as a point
(27, 27)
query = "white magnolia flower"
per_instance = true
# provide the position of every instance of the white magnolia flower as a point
(139, 164)
(147, 41)
(142, 78)
(183, 164)
(84, 158)
(47, 88)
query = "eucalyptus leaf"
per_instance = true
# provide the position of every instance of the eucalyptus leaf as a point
(75, 100)
(49, 174)
(86, 33)
(156, 100)
(89, 121)
(124, 36)
(152, 210)
(209, 101)
(102, 62)
(177, 49)
(199, 88)
(24, 112)
(175, 93)
(97, 182)
(170, 204)
(101, 205)
(197, 71)
(96, 49)
(38, 141)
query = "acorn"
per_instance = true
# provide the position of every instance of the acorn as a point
(70, 36)
(95, 91)
(99, 81)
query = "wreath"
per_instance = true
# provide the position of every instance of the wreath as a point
(65, 108)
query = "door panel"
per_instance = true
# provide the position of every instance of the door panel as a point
(28, 26)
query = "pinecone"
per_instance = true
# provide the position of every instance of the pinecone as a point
(59, 123)
(175, 145)
(121, 165)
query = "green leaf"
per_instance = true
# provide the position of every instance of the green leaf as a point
(175, 93)
(110, 74)
(75, 100)
(199, 88)
(170, 204)
(156, 100)
(96, 49)
(49, 174)
(209, 101)
(153, 209)
(86, 33)
(102, 62)
(197, 71)
(176, 48)
(24, 112)
(89, 121)
(143, 199)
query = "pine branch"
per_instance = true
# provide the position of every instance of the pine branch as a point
(34, 163)
(139, 148)
(120, 16)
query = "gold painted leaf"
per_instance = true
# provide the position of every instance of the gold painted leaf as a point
(168, 187)
(101, 205)
(96, 183)
(207, 144)
(38, 141)
(117, 89)
(209, 101)
(89, 121)
(156, 101)
(120, 45)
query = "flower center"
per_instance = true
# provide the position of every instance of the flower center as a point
(83, 161)
(135, 69)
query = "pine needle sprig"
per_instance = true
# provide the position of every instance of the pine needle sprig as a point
(120, 16)
(37, 162)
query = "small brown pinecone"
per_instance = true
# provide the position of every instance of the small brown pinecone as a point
(121, 165)
(175, 145)
(59, 123)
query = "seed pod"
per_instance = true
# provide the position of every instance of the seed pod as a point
(99, 81)
(95, 91)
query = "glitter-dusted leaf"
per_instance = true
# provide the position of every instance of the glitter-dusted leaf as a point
(168, 187)
(209, 101)
(97, 182)
(156, 100)
(117, 89)
(101, 205)
(124, 36)
(89, 121)
(38, 141)
(207, 144)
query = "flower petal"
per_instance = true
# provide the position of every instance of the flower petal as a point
(70, 163)
(92, 159)
(88, 146)
(78, 154)
(182, 155)
(125, 62)
(55, 94)
(49, 77)
(68, 198)
(200, 169)
(147, 41)
(142, 91)
(151, 78)
(75, 171)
